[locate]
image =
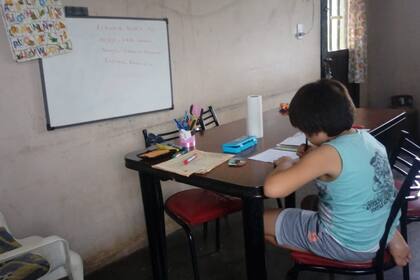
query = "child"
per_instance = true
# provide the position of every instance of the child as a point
(353, 176)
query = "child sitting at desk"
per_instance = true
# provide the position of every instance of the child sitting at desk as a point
(353, 176)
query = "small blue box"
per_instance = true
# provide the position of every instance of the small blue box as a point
(240, 144)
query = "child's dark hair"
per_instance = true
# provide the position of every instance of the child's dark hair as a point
(322, 106)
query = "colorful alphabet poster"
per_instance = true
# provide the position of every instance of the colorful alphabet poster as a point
(36, 28)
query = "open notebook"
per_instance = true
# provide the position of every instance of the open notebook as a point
(287, 147)
(201, 163)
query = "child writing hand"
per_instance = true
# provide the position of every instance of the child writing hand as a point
(353, 177)
(304, 149)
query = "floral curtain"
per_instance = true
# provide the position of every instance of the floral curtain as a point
(357, 40)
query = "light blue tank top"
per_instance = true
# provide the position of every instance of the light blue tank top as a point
(354, 207)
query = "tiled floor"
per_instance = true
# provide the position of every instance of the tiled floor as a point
(229, 263)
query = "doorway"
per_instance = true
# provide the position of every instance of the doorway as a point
(334, 51)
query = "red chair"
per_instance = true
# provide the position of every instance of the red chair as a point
(382, 261)
(195, 206)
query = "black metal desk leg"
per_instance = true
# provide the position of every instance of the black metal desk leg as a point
(155, 223)
(253, 224)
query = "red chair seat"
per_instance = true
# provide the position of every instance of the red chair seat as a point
(307, 258)
(197, 206)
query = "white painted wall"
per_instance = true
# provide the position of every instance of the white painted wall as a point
(72, 181)
(393, 51)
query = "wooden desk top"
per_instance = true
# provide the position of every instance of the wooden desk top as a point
(252, 175)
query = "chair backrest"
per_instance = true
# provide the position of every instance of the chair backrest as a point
(208, 118)
(151, 138)
(401, 198)
(406, 161)
(404, 154)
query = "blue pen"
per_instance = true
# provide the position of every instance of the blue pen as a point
(181, 124)
(178, 124)
(186, 116)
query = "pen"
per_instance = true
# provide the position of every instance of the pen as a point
(192, 124)
(179, 153)
(188, 160)
(178, 124)
(306, 144)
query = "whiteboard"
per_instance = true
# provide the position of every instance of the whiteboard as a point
(118, 67)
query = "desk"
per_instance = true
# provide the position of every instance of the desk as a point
(246, 182)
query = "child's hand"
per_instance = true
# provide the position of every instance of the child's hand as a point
(283, 163)
(303, 149)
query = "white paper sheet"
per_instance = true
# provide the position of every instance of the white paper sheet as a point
(271, 155)
(297, 139)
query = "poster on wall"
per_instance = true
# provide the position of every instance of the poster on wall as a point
(36, 28)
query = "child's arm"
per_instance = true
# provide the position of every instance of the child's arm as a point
(289, 177)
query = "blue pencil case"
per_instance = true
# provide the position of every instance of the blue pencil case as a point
(240, 144)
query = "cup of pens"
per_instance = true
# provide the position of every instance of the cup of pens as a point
(186, 127)
(186, 139)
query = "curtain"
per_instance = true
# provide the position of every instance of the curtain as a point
(357, 40)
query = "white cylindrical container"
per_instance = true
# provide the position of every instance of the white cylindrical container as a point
(255, 116)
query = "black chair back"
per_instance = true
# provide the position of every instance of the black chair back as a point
(208, 118)
(402, 160)
(151, 138)
(400, 200)
(407, 150)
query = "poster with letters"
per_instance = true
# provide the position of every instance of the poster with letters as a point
(36, 28)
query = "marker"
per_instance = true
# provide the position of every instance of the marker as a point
(180, 153)
(188, 160)
(192, 124)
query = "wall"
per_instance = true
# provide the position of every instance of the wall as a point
(72, 181)
(393, 49)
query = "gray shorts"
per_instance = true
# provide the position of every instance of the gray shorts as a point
(300, 229)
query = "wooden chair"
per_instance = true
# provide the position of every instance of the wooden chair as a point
(401, 161)
(195, 206)
(382, 261)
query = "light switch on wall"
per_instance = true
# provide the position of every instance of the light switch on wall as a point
(300, 31)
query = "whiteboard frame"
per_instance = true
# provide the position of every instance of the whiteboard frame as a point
(44, 91)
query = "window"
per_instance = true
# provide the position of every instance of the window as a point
(337, 25)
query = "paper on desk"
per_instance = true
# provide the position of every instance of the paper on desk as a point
(202, 163)
(271, 155)
(297, 139)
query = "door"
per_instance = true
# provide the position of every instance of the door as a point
(334, 52)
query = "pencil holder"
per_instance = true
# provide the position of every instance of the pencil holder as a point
(186, 139)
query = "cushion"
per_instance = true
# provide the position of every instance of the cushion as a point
(26, 267)
(197, 206)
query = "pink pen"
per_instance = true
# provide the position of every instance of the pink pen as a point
(188, 160)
